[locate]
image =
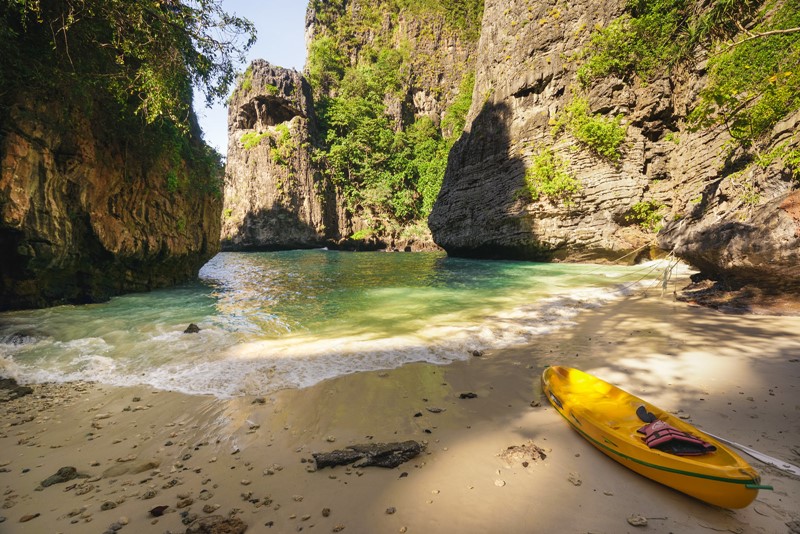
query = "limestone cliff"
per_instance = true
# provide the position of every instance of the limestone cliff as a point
(730, 218)
(84, 216)
(280, 190)
(274, 197)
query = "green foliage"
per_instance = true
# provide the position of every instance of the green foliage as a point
(392, 173)
(647, 214)
(755, 84)
(549, 177)
(325, 65)
(654, 35)
(390, 168)
(463, 16)
(250, 140)
(145, 55)
(285, 146)
(791, 159)
(172, 181)
(362, 234)
(247, 80)
(602, 135)
(455, 118)
(270, 89)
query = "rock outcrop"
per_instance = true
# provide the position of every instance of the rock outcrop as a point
(83, 218)
(274, 196)
(523, 78)
(526, 76)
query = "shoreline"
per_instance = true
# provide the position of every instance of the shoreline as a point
(251, 458)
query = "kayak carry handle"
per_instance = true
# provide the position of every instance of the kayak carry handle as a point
(759, 487)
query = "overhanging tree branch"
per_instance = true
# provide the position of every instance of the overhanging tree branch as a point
(752, 35)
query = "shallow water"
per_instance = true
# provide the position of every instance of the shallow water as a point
(291, 319)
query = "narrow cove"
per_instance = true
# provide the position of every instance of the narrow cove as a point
(270, 321)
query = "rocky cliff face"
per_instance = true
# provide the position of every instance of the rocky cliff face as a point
(523, 78)
(82, 218)
(274, 196)
(526, 78)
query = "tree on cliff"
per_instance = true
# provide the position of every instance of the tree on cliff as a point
(144, 54)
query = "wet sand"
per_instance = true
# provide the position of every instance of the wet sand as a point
(250, 458)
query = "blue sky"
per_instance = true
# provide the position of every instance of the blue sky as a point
(281, 41)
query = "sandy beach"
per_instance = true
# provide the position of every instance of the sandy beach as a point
(250, 459)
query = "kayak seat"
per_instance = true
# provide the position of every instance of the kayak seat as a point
(664, 437)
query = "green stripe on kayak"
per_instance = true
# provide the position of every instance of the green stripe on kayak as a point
(750, 483)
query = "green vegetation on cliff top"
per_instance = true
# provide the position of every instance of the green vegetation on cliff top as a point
(753, 74)
(129, 67)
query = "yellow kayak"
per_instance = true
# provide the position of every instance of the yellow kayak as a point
(607, 417)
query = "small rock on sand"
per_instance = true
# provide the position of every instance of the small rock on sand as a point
(64, 474)
(217, 524)
(192, 329)
(637, 520)
(575, 479)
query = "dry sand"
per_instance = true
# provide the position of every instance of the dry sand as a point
(734, 375)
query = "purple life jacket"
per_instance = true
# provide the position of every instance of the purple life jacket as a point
(660, 435)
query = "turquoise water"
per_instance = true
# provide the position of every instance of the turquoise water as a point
(290, 319)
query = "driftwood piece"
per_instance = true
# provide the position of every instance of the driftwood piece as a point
(378, 454)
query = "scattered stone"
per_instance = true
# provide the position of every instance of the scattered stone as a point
(108, 505)
(65, 474)
(535, 404)
(245, 482)
(10, 390)
(337, 528)
(435, 410)
(158, 511)
(391, 510)
(26, 518)
(387, 455)
(192, 329)
(637, 520)
(83, 490)
(477, 353)
(205, 495)
(575, 479)
(499, 483)
(330, 439)
(210, 508)
(468, 395)
(326, 512)
(184, 503)
(217, 524)
(523, 453)
(149, 494)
